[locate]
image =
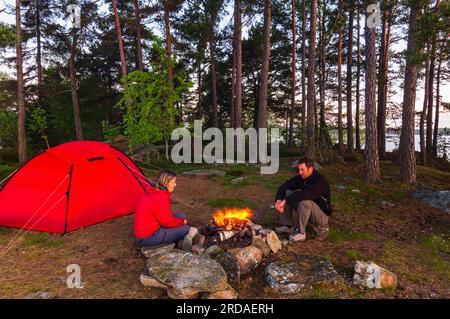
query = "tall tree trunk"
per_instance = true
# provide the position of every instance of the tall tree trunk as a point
(199, 91)
(383, 76)
(350, 141)
(262, 109)
(119, 39)
(38, 49)
(339, 62)
(73, 87)
(358, 75)
(238, 51)
(212, 22)
(294, 60)
(429, 140)
(311, 139)
(233, 79)
(436, 117)
(168, 44)
(372, 165)
(423, 114)
(325, 139)
(215, 121)
(137, 22)
(407, 155)
(20, 88)
(303, 128)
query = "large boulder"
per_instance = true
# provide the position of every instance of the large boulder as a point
(248, 258)
(228, 293)
(185, 274)
(437, 199)
(290, 277)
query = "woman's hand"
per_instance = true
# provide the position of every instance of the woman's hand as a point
(185, 221)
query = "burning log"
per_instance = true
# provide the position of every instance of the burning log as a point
(232, 218)
(226, 234)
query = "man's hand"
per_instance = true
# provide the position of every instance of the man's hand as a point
(279, 205)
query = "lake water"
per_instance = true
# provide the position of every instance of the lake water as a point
(393, 140)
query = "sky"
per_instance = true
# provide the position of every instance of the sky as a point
(398, 97)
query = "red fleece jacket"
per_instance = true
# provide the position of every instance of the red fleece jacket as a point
(153, 212)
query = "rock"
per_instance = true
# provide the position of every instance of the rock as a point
(274, 242)
(262, 245)
(248, 258)
(185, 273)
(356, 191)
(175, 295)
(198, 249)
(437, 199)
(229, 293)
(151, 282)
(341, 187)
(213, 250)
(264, 231)
(199, 239)
(289, 277)
(237, 180)
(204, 172)
(38, 295)
(370, 275)
(253, 226)
(231, 265)
(148, 250)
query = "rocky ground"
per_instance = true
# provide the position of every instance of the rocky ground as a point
(380, 222)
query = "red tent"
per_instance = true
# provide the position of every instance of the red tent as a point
(71, 186)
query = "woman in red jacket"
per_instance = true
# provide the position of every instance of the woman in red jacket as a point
(154, 222)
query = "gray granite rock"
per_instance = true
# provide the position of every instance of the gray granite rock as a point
(262, 245)
(248, 258)
(290, 277)
(437, 199)
(231, 265)
(186, 274)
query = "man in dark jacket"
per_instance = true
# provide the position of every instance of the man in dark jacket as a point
(302, 199)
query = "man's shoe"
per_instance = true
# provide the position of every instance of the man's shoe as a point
(284, 230)
(297, 237)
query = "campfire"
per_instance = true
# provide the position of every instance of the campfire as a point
(227, 223)
(232, 218)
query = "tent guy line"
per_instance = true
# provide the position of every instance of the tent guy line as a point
(4, 251)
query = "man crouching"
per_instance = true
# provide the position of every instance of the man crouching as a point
(302, 199)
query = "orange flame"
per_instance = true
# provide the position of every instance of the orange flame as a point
(232, 217)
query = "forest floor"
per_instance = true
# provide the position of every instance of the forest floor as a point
(411, 238)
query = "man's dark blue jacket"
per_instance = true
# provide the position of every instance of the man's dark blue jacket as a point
(314, 187)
